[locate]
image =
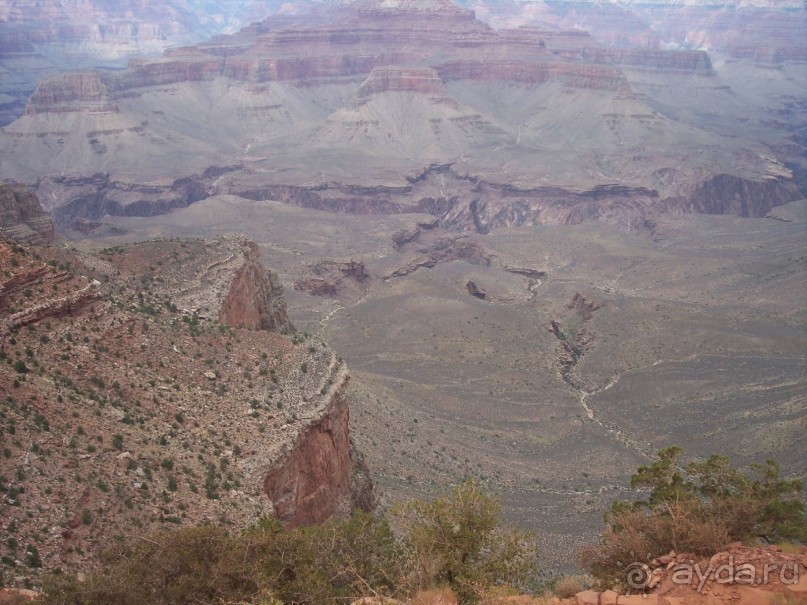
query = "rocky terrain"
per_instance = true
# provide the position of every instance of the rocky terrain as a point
(38, 39)
(544, 252)
(357, 111)
(150, 384)
(689, 333)
(22, 218)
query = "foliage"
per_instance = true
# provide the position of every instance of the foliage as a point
(697, 508)
(314, 564)
(191, 565)
(454, 540)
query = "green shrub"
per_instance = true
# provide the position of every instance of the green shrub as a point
(698, 508)
(456, 541)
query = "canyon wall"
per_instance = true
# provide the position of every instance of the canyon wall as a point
(21, 216)
(255, 298)
(322, 474)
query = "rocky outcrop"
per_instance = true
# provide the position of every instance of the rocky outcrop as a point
(48, 308)
(233, 423)
(229, 283)
(729, 194)
(321, 475)
(333, 278)
(80, 92)
(474, 290)
(21, 216)
(255, 298)
(93, 196)
(445, 250)
(402, 79)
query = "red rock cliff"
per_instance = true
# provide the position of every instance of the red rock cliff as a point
(255, 298)
(322, 474)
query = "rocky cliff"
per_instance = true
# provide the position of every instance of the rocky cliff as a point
(21, 216)
(402, 79)
(321, 474)
(348, 110)
(71, 92)
(255, 298)
(166, 414)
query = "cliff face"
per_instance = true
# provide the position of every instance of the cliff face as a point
(21, 216)
(402, 79)
(255, 299)
(322, 474)
(228, 422)
(231, 284)
(81, 92)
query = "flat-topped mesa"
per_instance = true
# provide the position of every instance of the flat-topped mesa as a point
(695, 61)
(402, 79)
(73, 92)
(594, 77)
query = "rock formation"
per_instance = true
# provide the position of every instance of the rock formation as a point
(474, 290)
(71, 92)
(255, 298)
(390, 107)
(21, 216)
(185, 389)
(333, 278)
(316, 478)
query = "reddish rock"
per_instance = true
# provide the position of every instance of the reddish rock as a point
(255, 298)
(314, 481)
(588, 597)
(609, 597)
(649, 599)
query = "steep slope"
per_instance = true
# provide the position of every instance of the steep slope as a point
(146, 385)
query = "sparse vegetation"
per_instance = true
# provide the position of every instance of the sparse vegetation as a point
(454, 540)
(698, 508)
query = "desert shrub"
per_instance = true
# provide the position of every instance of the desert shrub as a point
(699, 508)
(568, 586)
(190, 565)
(456, 541)
(321, 563)
(452, 545)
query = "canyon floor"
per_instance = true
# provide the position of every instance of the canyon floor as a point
(592, 348)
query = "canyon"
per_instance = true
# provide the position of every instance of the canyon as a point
(112, 418)
(547, 238)
(363, 113)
